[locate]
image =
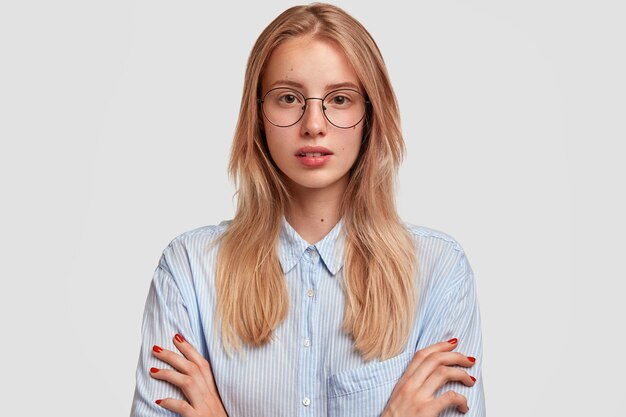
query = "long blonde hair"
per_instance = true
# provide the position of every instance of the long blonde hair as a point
(380, 256)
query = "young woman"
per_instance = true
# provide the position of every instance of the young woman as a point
(315, 299)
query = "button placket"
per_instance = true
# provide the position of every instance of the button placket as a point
(311, 258)
(312, 254)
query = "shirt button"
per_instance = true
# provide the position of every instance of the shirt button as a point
(310, 293)
(306, 401)
(307, 342)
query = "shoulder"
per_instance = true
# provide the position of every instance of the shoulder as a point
(200, 234)
(192, 248)
(441, 257)
(430, 236)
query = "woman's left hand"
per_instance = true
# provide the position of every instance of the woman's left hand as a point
(194, 378)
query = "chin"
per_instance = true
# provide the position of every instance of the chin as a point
(312, 184)
(313, 181)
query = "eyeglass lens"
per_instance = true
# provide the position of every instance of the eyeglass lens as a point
(284, 107)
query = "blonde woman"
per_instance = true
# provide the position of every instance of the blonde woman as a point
(315, 299)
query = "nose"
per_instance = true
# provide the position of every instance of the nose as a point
(313, 119)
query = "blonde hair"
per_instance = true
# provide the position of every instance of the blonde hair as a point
(380, 255)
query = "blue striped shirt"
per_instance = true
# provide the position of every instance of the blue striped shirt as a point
(310, 368)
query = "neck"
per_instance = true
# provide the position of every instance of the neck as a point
(313, 212)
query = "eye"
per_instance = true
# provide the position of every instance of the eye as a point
(340, 100)
(288, 98)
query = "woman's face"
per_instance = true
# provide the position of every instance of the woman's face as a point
(312, 67)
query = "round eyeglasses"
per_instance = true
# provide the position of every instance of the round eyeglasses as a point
(284, 107)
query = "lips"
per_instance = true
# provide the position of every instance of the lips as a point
(313, 157)
(313, 151)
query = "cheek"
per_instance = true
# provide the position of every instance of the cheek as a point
(270, 136)
(276, 139)
(351, 144)
(273, 149)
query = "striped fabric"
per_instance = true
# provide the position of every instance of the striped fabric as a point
(310, 369)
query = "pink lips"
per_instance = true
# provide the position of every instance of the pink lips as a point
(313, 149)
(313, 161)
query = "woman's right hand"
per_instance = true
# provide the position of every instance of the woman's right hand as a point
(429, 370)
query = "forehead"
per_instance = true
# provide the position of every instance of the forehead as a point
(314, 63)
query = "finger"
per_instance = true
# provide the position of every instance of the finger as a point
(179, 362)
(436, 360)
(187, 349)
(442, 375)
(178, 406)
(194, 389)
(421, 355)
(447, 399)
(193, 355)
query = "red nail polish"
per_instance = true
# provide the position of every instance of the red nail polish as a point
(473, 379)
(471, 358)
(453, 341)
(179, 338)
(157, 349)
(154, 370)
(158, 401)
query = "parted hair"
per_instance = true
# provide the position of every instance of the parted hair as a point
(380, 263)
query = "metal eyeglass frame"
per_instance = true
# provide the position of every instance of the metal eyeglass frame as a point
(261, 101)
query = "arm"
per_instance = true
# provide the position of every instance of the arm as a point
(438, 380)
(165, 314)
(459, 317)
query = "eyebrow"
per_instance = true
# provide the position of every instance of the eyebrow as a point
(328, 86)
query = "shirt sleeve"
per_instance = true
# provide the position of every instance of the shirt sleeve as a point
(459, 316)
(165, 314)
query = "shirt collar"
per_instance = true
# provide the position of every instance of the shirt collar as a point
(293, 247)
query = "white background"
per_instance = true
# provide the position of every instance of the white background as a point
(116, 119)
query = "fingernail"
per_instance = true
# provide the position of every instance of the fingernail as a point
(179, 338)
(471, 358)
(453, 341)
(158, 401)
(157, 349)
(473, 379)
(154, 370)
